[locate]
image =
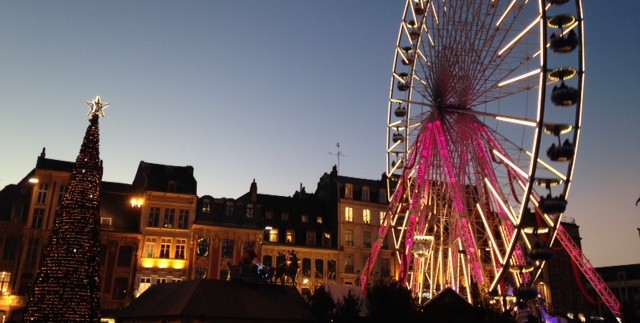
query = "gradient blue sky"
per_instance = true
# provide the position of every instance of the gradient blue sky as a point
(264, 89)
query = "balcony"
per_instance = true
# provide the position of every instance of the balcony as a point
(163, 263)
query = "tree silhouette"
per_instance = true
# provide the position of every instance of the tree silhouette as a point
(391, 302)
(349, 309)
(322, 305)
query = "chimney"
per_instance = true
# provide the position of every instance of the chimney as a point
(254, 191)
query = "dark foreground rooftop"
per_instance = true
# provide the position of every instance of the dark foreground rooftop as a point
(207, 300)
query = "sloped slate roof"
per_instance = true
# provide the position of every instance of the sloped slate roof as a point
(158, 177)
(610, 274)
(359, 182)
(54, 164)
(216, 300)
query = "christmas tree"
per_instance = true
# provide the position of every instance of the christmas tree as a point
(67, 285)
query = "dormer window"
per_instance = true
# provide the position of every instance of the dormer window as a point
(365, 194)
(206, 206)
(382, 196)
(171, 187)
(348, 191)
(249, 211)
(229, 209)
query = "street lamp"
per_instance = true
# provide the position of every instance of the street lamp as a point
(421, 249)
(137, 202)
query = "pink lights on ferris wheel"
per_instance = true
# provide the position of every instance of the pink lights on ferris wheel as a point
(468, 125)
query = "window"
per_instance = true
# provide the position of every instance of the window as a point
(348, 237)
(201, 273)
(304, 218)
(331, 269)
(165, 248)
(176, 280)
(150, 248)
(26, 280)
(382, 215)
(161, 280)
(311, 238)
(326, 240)
(105, 222)
(120, 288)
(61, 194)
(124, 256)
(228, 211)
(169, 215)
(102, 254)
(206, 206)
(249, 213)
(366, 216)
(181, 246)
(348, 214)
(348, 191)
(268, 215)
(42, 194)
(319, 268)
(171, 187)
(38, 217)
(284, 216)
(348, 264)
(10, 247)
(249, 245)
(183, 219)
(227, 248)
(365, 194)
(224, 273)
(5, 278)
(154, 217)
(145, 280)
(32, 253)
(384, 267)
(290, 237)
(273, 235)
(366, 236)
(319, 219)
(382, 196)
(202, 249)
(306, 267)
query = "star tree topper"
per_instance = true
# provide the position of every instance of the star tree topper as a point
(97, 107)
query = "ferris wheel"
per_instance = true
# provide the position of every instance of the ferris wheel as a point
(483, 125)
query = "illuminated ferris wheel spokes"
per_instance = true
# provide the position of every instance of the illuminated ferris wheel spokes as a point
(470, 193)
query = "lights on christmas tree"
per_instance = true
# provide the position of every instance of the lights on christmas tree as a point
(67, 285)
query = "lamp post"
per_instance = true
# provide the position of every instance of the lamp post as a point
(421, 250)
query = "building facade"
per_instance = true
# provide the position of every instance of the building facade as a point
(561, 281)
(624, 282)
(28, 210)
(166, 197)
(157, 230)
(224, 228)
(359, 205)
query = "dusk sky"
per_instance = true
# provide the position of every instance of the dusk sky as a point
(265, 89)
